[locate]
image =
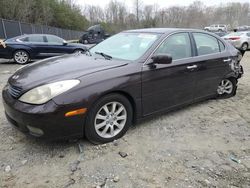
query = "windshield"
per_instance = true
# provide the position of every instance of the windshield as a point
(127, 46)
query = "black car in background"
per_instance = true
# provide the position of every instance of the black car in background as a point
(37, 46)
(94, 35)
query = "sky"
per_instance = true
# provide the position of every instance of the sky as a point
(161, 3)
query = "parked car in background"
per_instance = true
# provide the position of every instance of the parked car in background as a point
(221, 33)
(242, 28)
(240, 40)
(216, 27)
(129, 76)
(94, 35)
(37, 46)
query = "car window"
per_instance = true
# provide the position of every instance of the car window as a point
(222, 46)
(206, 44)
(248, 34)
(177, 45)
(24, 39)
(35, 38)
(54, 39)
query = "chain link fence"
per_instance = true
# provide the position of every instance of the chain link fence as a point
(10, 28)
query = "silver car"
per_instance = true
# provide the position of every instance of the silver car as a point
(240, 40)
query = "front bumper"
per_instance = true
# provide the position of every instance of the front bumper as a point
(45, 121)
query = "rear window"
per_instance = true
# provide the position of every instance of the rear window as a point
(25, 39)
(206, 44)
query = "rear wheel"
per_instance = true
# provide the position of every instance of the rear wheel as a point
(227, 88)
(109, 119)
(21, 57)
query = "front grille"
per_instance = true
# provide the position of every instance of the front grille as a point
(15, 91)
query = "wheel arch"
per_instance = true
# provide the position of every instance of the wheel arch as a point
(20, 49)
(125, 94)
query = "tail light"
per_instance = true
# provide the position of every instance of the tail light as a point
(234, 38)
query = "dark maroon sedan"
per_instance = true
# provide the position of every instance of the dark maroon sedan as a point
(127, 77)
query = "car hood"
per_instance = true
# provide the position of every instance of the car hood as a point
(61, 68)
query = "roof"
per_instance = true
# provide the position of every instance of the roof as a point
(160, 30)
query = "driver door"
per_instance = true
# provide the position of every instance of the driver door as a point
(165, 86)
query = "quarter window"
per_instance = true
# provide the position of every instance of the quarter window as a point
(222, 46)
(177, 45)
(206, 44)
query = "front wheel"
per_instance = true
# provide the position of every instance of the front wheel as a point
(21, 57)
(227, 88)
(109, 119)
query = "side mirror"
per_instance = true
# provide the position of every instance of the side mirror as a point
(161, 59)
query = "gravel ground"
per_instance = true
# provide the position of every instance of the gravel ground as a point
(202, 145)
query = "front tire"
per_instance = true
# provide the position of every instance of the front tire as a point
(109, 119)
(21, 57)
(227, 88)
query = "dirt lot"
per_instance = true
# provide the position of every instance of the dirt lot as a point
(202, 145)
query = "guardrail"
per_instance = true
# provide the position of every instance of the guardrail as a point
(10, 28)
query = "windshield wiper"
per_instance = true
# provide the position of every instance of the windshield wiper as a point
(106, 56)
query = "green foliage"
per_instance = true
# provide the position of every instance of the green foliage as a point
(57, 13)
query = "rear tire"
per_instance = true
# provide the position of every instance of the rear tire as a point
(108, 119)
(21, 57)
(227, 88)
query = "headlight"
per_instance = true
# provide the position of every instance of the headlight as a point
(43, 94)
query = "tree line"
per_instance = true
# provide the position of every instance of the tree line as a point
(58, 13)
(116, 16)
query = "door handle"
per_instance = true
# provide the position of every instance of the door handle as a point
(227, 60)
(192, 67)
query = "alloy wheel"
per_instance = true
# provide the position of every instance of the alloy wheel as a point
(110, 119)
(225, 87)
(21, 57)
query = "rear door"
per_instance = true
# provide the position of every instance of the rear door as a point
(37, 44)
(165, 86)
(212, 62)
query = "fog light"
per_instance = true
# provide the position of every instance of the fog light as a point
(35, 131)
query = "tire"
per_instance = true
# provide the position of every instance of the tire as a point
(220, 30)
(227, 88)
(244, 46)
(99, 130)
(78, 51)
(21, 57)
